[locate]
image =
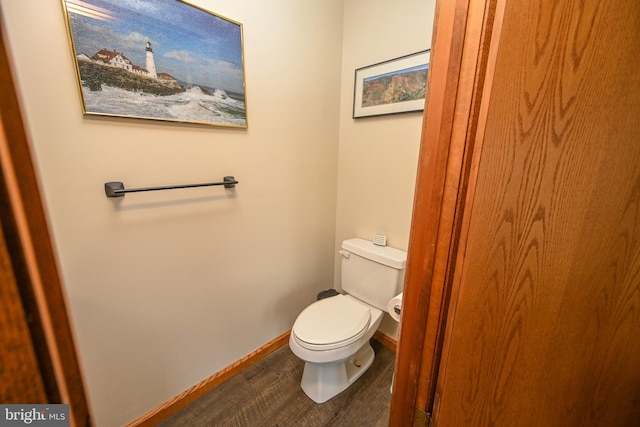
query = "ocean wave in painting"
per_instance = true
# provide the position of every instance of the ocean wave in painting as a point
(194, 105)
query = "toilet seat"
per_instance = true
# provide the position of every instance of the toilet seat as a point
(331, 323)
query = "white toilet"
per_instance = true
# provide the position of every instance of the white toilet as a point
(332, 335)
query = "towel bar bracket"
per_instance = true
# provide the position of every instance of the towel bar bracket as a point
(113, 189)
(116, 188)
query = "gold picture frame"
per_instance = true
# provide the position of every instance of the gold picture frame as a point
(162, 60)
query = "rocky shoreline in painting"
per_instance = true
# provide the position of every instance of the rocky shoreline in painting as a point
(94, 76)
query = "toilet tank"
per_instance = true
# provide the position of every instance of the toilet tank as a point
(373, 274)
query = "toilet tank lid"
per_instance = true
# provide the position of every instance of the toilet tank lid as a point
(386, 255)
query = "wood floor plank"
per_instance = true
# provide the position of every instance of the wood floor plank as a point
(268, 393)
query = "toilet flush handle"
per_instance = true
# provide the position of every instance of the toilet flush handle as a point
(345, 254)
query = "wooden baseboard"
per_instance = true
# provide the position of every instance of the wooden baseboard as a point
(386, 341)
(183, 399)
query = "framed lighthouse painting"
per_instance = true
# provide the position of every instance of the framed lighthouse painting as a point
(165, 60)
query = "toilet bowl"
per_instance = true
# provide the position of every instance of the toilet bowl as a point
(332, 337)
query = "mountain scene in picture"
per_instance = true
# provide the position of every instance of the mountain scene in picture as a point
(400, 86)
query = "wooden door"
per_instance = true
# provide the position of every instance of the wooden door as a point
(38, 361)
(544, 321)
(20, 378)
(522, 296)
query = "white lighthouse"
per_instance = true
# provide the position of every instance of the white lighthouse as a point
(151, 63)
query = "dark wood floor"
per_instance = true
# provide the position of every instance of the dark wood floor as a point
(269, 394)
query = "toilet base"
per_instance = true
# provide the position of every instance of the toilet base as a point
(322, 381)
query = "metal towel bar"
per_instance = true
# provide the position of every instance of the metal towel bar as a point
(116, 188)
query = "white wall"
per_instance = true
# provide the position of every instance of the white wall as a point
(167, 288)
(378, 155)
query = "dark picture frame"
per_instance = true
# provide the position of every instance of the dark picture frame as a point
(162, 60)
(395, 86)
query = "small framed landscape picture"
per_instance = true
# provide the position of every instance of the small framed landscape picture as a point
(158, 59)
(395, 86)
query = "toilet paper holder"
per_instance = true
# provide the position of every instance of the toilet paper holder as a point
(394, 307)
